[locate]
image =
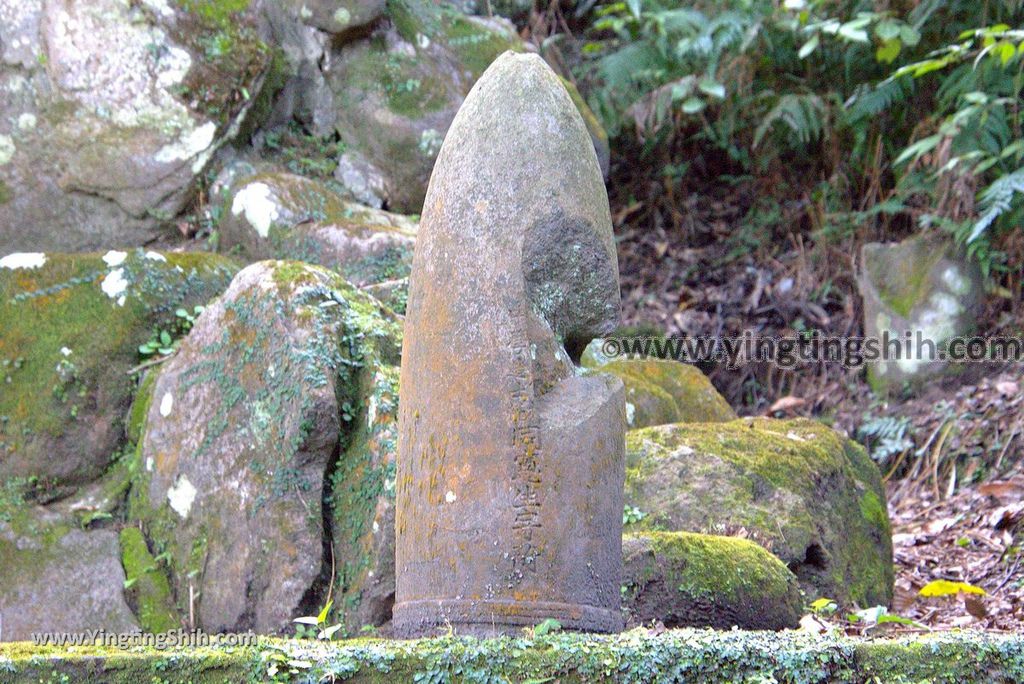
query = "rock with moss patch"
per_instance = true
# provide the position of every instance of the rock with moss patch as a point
(110, 110)
(72, 326)
(251, 427)
(801, 490)
(925, 286)
(660, 392)
(58, 578)
(281, 215)
(397, 93)
(682, 579)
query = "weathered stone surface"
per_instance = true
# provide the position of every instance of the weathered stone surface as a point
(57, 578)
(662, 392)
(284, 216)
(397, 92)
(337, 16)
(259, 419)
(923, 285)
(808, 495)
(109, 110)
(72, 325)
(509, 469)
(683, 579)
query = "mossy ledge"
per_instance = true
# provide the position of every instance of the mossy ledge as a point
(634, 656)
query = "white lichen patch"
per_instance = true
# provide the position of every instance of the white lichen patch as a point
(450, 497)
(181, 496)
(65, 352)
(175, 64)
(256, 202)
(7, 149)
(630, 413)
(114, 284)
(156, 256)
(191, 144)
(342, 17)
(166, 405)
(114, 258)
(27, 121)
(150, 464)
(160, 7)
(23, 260)
(955, 281)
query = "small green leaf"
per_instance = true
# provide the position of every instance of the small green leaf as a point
(693, 105)
(1005, 50)
(887, 30)
(910, 36)
(322, 618)
(710, 86)
(547, 626)
(165, 338)
(888, 51)
(809, 47)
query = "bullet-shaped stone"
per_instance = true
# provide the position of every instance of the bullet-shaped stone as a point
(510, 467)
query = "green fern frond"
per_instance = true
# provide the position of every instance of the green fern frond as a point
(996, 200)
(805, 115)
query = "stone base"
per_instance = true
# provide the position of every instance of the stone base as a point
(489, 618)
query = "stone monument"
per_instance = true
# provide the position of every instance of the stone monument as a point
(511, 465)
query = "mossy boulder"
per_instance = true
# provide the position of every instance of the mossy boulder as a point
(682, 579)
(284, 216)
(72, 326)
(925, 286)
(55, 576)
(252, 427)
(798, 488)
(110, 111)
(660, 392)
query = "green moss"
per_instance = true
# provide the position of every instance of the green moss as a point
(711, 566)
(476, 46)
(140, 407)
(796, 487)
(147, 587)
(660, 392)
(636, 656)
(66, 342)
(6, 194)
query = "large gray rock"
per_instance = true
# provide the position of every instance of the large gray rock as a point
(284, 216)
(72, 325)
(798, 488)
(925, 286)
(249, 430)
(58, 578)
(510, 463)
(109, 110)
